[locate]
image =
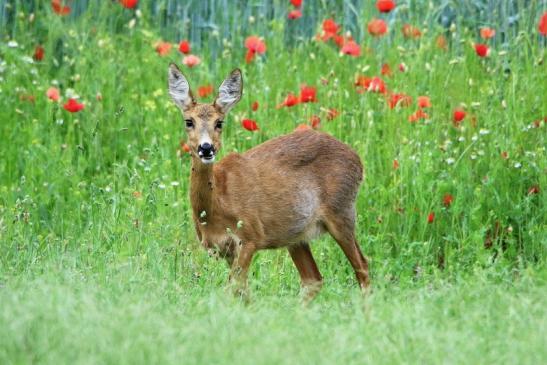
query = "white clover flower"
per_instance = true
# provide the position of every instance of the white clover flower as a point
(450, 161)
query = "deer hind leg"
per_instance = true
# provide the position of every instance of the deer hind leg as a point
(342, 229)
(311, 278)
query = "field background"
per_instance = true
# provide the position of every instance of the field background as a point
(99, 262)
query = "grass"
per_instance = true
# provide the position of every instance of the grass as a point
(98, 257)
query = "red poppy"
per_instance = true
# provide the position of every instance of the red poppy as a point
(184, 47)
(191, 60)
(302, 127)
(386, 70)
(254, 106)
(385, 6)
(482, 50)
(417, 115)
(458, 116)
(402, 67)
(254, 45)
(351, 48)
(377, 85)
(73, 106)
(441, 42)
(290, 100)
(542, 26)
(332, 113)
(296, 3)
(185, 147)
(53, 93)
(315, 121)
(487, 33)
(395, 164)
(377, 27)
(330, 28)
(129, 4)
(410, 31)
(308, 94)
(59, 8)
(249, 125)
(447, 200)
(401, 100)
(163, 48)
(295, 14)
(533, 190)
(430, 217)
(205, 90)
(38, 53)
(424, 102)
(363, 81)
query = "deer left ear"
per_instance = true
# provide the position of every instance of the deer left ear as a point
(179, 88)
(229, 91)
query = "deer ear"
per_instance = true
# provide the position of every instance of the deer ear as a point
(229, 91)
(179, 89)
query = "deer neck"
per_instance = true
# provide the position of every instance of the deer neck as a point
(202, 192)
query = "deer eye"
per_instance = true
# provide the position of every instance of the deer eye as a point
(218, 124)
(189, 123)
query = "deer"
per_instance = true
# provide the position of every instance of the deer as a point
(282, 193)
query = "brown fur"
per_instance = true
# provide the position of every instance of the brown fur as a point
(282, 193)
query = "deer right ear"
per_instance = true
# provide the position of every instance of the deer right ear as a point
(179, 89)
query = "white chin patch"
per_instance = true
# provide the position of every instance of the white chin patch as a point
(207, 160)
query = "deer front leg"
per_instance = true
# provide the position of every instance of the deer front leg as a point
(240, 268)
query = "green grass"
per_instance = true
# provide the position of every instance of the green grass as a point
(99, 262)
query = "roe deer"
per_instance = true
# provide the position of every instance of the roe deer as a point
(281, 193)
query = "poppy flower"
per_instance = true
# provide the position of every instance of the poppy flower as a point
(191, 60)
(129, 4)
(254, 106)
(441, 42)
(363, 81)
(296, 3)
(424, 102)
(417, 115)
(38, 53)
(59, 8)
(295, 14)
(377, 27)
(410, 31)
(205, 90)
(395, 164)
(385, 6)
(504, 155)
(53, 93)
(377, 85)
(482, 50)
(254, 45)
(399, 99)
(249, 125)
(386, 70)
(332, 113)
(533, 190)
(163, 48)
(185, 147)
(542, 26)
(315, 121)
(430, 217)
(184, 47)
(73, 106)
(447, 200)
(330, 28)
(290, 100)
(308, 94)
(402, 67)
(458, 116)
(487, 33)
(302, 127)
(351, 48)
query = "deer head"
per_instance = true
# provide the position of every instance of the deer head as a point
(204, 121)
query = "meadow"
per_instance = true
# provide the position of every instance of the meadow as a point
(99, 261)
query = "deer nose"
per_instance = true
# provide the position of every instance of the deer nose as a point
(206, 149)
